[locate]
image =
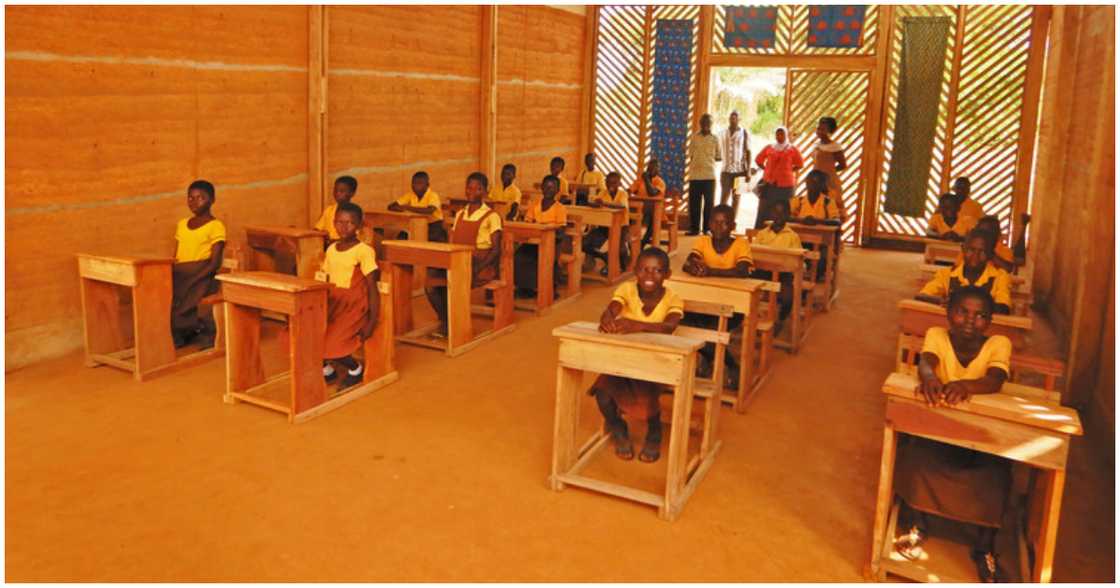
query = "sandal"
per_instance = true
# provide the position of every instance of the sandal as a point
(623, 449)
(651, 449)
(909, 545)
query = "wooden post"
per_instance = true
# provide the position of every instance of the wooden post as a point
(317, 187)
(874, 124)
(704, 62)
(488, 118)
(954, 90)
(590, 56)
(647, 88)
(1028, 123)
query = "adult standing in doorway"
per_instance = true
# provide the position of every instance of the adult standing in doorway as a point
(703, 152)
(780, 162)
(828, 157)
(735, 144)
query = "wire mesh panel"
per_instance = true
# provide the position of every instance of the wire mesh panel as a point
(618, 95)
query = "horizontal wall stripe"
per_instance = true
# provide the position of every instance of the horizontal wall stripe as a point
(382, 73)
(158, 61)
(550, 152)
(540, 83)
(129, 200)
(411, 165)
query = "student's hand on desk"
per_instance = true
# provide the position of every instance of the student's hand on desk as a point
(699, 270)
(809, 220)
(931, 390)
(596, 204)
(954, 393)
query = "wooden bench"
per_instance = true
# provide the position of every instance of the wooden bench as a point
(544, 237)
(819, 235)
(573, 262)
(282, 248)
(1019, 423)
(300, 392)
(664, 359)
(782, 260)
(656, 221)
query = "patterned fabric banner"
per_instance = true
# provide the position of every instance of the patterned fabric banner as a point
(836, 25)
(672, 71)
(750, 26)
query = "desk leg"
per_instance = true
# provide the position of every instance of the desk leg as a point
(401, 284)
(459, 328)
(677, 466)
(566, 426)
(884, 498)
(1053, 484)
(658, 216)
(101, 319)
(418, 231)
(151, 316)
(546, 260)
(309, 256)
(380, 349)
(795, 313)
(243, 349)
(614, 248)
(746, 356)
(305, 345)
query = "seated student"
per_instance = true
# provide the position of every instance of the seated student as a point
(962, 187)
(1003, 257)
(423, 200)
(556, 168)
(476, 225)
(815, 208)
(649, 185)
(344, 189)
(547, 211)
(198, 257)
(947, 223)
(644, 305)
(589, 175)
(949, 481)
(507, 197)
(975, 270)
(723, 256)
(596, 239)
(353, 300)
(777, 234)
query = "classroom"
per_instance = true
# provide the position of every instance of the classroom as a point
(477, 293)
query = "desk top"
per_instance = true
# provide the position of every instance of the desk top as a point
(784, 251)
(647, 198)
(1014, 403)
(588, 331)
(738, 284)
(532, 227)
(817, 228)
(426, 245)
(392, 214)
(284, 231)
(930, 241)
(273, 281)
(128, 259)
(1007, 320)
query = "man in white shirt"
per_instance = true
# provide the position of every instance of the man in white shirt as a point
(735, 143)
(703, 152)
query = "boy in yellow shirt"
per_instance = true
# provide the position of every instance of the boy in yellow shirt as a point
(589, 176)
(816, 207)
(423, 200)
(345, 187)
(547, 211)
(353, 300)
(976, 270)
(556, 168)
(507, 197)
(613, 197)
(201, 242)
(962, 187)
(948, 223)
(778, 234)
(644, 305)
(649, 185)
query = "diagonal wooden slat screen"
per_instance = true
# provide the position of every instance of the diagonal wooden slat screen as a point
(619, 88)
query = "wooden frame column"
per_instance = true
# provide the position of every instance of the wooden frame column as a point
(1028, 124)
(590, 62)
(704, 63)
(954, 90)
(647, 89)
(874, 125)
(317, 59)
(488, 115)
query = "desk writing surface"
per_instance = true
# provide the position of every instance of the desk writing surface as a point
(128, 259)
(817, 228)
(427, 245)
(292, 232)
(601, 216)
(534, 227)
(273, 281)
(588, 331)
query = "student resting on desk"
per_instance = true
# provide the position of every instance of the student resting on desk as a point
(945, 480)
(649, 185)
(719, 255)
(777, 234)
(353, 301)
(198, 256)
(556, 168)
(589, 175)
(975, 270)
(644, 305)
(423, 200)
(1003, 257)
(480, 227)
(547, 211)
(596, 239)
(507, 197)
(816, 208)
(947, 223)
(962, 187)
(344, 189)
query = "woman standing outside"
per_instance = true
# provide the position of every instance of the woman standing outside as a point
(780, 162)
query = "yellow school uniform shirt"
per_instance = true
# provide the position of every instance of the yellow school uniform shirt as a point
(339, 265)
(556, 215)
(639, 187)
(430, 198)
(971, 208)
(197, 244)
(740, 250)
(627, 295)
(964, 224)
(595, 178)
(1002, 251)
(996, 281)
(509, 194)
(620, 198)
(491, 223)
(786, 238)
(563, 187)
(824, 209)
(995, 353)
(326, 222)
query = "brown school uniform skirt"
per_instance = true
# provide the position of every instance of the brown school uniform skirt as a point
(347, 310)
(952, 482)
(190, 283)
(637, 399)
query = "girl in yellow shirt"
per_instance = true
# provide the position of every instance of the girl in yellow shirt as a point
(200, 241)
(547, 211)
(353, 301)
(344, 189)
(948, 223)
(949, 481)
(644, 305)
(595, 239)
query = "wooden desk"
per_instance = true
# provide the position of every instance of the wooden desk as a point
(658, 215)
(941, 252)
(300, 392)
(544, 237)
(783, 260)
(917, 316)
(743, 295)
(613, 219)
(416, 225)
(270, 243)
(1018, 423)
(666, 359)
(106, 338)
(828, 236)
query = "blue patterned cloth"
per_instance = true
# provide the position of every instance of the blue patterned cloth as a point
(836, 25)
(672, 71)
(750, 27)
